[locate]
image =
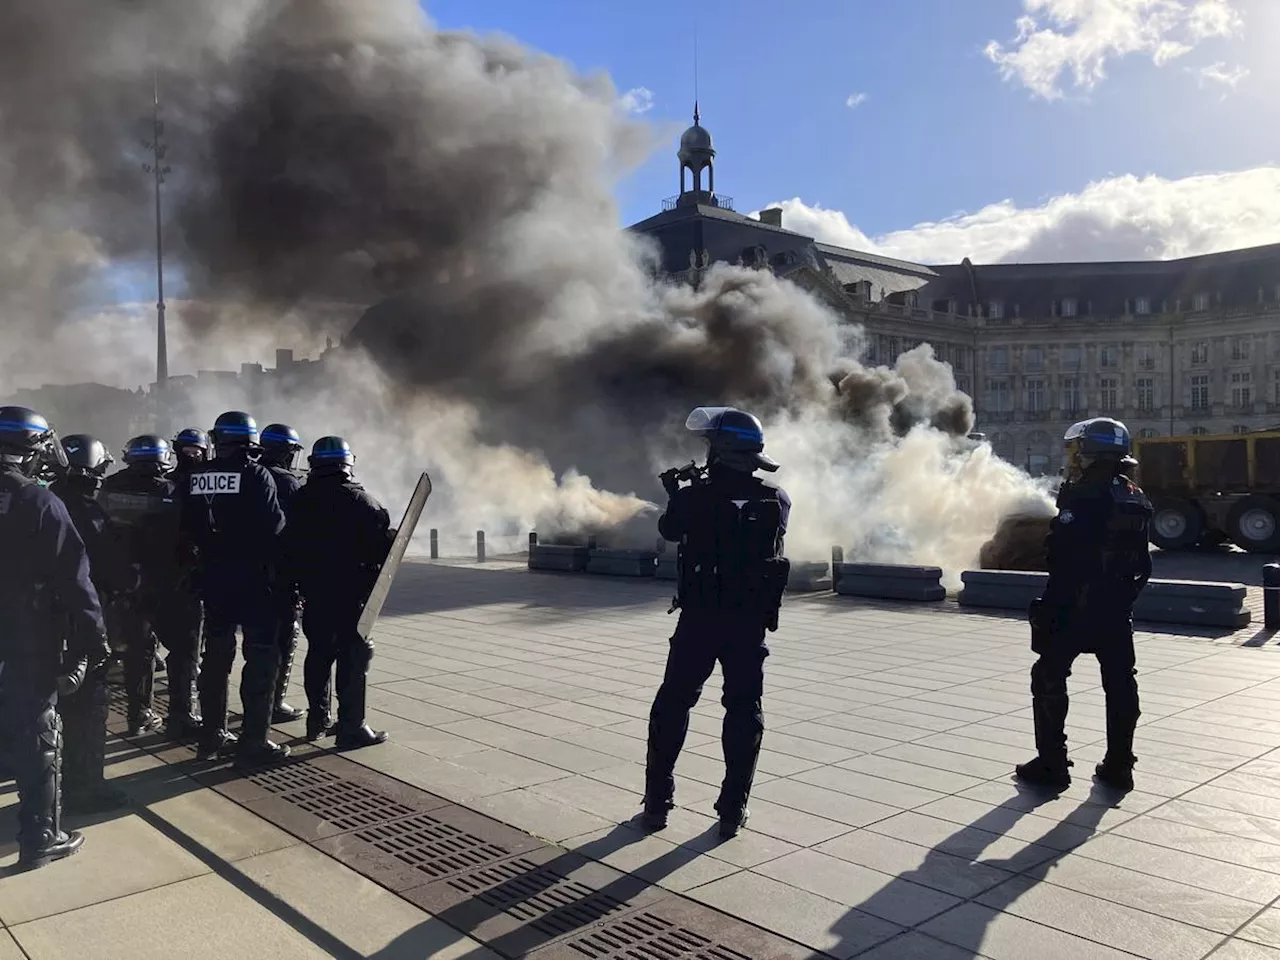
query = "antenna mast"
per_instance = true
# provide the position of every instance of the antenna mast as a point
(158, 170)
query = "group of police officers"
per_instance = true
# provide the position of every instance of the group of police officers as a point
(240, 541)
(179, 553)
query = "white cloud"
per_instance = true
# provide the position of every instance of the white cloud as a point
(1081, 37)
(1122, 218)
(855, 100)
(1222, 74)
(637, 100)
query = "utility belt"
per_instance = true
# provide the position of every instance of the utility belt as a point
(705, 587)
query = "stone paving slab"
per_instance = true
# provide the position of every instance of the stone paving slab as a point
(886, 822)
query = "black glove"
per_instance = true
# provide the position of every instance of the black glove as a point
(670, 482)
(73, 679)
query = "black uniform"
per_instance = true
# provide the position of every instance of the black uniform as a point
(233, 516)
(144, 502)
(730, 529)
(1098, 561)
(84, 713)
(287, 596)
(46, 595)
(338, 538)
(182, 618)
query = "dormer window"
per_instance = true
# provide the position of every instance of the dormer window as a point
(1142, 306)
(1200, 302)
(995, 309)
(1068, 307)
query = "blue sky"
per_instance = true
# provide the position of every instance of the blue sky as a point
(940, 130)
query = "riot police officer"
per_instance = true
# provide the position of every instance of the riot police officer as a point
(190, 448)
(143, 500)
(1098, 561)
(84, 714)
(183, 613)
(730, 526)
(234, 517)
(280, 448)
(46, 598)
(338, 538)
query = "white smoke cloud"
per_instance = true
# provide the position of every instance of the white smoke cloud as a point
(1080, 37)
(1223, 75)
(1120, 218)
(855, 100)
(636, 101)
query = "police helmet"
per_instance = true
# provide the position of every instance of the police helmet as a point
(280, 444)
(148, 448)
(330, 455)
(235, 429)
(27, 439)
(1096, 440)
(734, 438)
(87, 456)
(189, 438)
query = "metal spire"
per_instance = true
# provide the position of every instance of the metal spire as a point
(158, 170)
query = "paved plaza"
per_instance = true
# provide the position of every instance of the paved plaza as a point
(885, 821)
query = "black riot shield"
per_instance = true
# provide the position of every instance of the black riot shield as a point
(378, 596)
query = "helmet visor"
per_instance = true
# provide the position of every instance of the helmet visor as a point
(704, 419)
(51, 451)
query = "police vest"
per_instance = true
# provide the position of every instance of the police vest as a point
(728, 558)
(1125, 555)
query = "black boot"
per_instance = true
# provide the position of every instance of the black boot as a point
(1116, 772)
(215, 739)
(659, 790)
(318, 725)
(654, 815)
(49, 846)
(732, 821)
(257, 690)
(183, 719)
(351, 731)
(85, 789)
(263, 753)
(143, 721)
(1052, 773)
(283, 712)
(216, 744)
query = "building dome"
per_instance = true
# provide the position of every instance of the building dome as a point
(695, 144)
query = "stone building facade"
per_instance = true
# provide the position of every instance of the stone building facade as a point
(1172, 347)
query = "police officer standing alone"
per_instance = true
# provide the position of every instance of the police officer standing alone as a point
(143, 501)
(1098, 561)
(730, 526)
(234, 518)
(338, 538)
(45, 596)
(84, 714)
(280, 448)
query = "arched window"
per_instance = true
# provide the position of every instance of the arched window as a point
(1002, 444)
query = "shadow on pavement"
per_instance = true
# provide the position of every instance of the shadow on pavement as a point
(986, 887)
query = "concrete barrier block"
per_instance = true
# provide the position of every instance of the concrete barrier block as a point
(808, 577)
(622, 563)
(1191, 602)
(890, 581)
(564, 558)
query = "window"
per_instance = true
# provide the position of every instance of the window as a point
(959, 358)
(1200, 301)
(1200, 352)
(895, 349)
(1035, 358)
(1108, 393)
(1240, 348)
(962, 384)
(1146, 356)
(1275, 387)
(1109, 355)
(1200, 392)
(1142, 306)
(1198, 431)
(1239, 428)
(1035, 396)
(998, 396)
(1241, 389)
(998, 358)
(1146, 433)
(1146, 388)
(1068, 307)
(1071, 400)
(1071, 358)
(995, 309)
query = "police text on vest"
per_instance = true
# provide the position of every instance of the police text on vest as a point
(207, 484)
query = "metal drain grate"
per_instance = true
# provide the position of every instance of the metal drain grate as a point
(648, 937)
(537, 896)
(346, 805)
(292, 777)
(431, 846)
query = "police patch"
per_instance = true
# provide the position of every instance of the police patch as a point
(208, 484)
(1066, 516)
